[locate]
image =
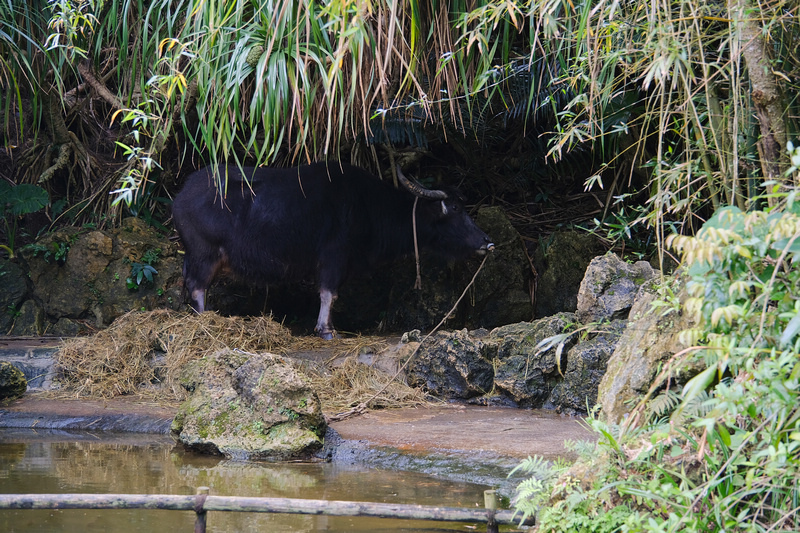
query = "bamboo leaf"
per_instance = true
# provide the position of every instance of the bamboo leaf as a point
(699, 383)
(790, 331)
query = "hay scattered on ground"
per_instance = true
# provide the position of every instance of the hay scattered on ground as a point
(352, 383)
(142, 353)
(142, 349)
(338, 347)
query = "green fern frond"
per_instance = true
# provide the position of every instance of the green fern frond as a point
(663, 404)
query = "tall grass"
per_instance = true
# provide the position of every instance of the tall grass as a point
(252, 80)
(668, 92)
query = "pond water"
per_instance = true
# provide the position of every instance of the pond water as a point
(76, 462)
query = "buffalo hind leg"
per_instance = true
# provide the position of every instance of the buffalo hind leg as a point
(198, 273)
(198, 297)
(197, 293)
(324, 326)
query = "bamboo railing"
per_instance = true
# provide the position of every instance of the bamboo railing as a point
(202, 503)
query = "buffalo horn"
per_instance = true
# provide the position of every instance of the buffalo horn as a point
(418, 190)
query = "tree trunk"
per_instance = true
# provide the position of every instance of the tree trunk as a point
(767, 99)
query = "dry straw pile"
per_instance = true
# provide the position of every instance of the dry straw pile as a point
(142, 349)
(142, 353)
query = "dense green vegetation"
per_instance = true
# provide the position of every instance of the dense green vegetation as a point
(103, 95)
(722, 452)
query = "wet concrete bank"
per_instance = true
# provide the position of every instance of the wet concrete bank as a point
(456, 442)
(500, 430)
(37, 410)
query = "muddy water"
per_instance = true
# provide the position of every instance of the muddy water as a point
(67, 462)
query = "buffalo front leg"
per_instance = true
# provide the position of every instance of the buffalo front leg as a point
(324, 326)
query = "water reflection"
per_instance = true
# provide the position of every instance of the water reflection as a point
(66, 462)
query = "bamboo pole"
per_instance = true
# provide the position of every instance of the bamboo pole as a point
(490, 502)
(253, 505)
(199, 509)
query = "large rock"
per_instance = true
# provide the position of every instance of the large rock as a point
(12, 381)
(249, 406)
(586, 365)
(566, 375)
(609, 287)
(514, 364)
(28, 320)
(501, 293)
(79, 274)
(524, 371)
(561, 262)
(451, 365)
(650, 339)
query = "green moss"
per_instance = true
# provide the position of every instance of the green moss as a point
(202, 428)
(289, 413)
(14, 379)
(221, 423)
(177, 422)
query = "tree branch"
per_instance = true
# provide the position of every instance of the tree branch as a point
(99, 87)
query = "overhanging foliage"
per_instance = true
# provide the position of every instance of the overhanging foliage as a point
(691, 102)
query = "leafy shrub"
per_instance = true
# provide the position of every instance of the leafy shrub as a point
(723, 453)
(140, 272)
(143, 271)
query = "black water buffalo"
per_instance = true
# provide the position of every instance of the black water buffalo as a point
(324, 220)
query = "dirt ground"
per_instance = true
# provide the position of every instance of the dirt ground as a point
(505, 431)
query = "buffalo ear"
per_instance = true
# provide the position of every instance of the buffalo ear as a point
(444, 208)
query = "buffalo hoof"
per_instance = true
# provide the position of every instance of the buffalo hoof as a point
(327, 334)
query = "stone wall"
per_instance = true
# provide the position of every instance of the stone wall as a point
(74, 280)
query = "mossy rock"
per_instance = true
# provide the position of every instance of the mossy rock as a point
(586, 364)
(451, 366)
(610, 286)
(650, 339)
(523, 372)
(12, 382)
(561, 262)
(13, 287)
(249, 406)
(81, 274)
